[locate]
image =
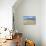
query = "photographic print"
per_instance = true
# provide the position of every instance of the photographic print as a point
(29, 20)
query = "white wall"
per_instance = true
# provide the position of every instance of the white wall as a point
(38, 31)
(29, 8)
(43, 26)
(6, 13)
